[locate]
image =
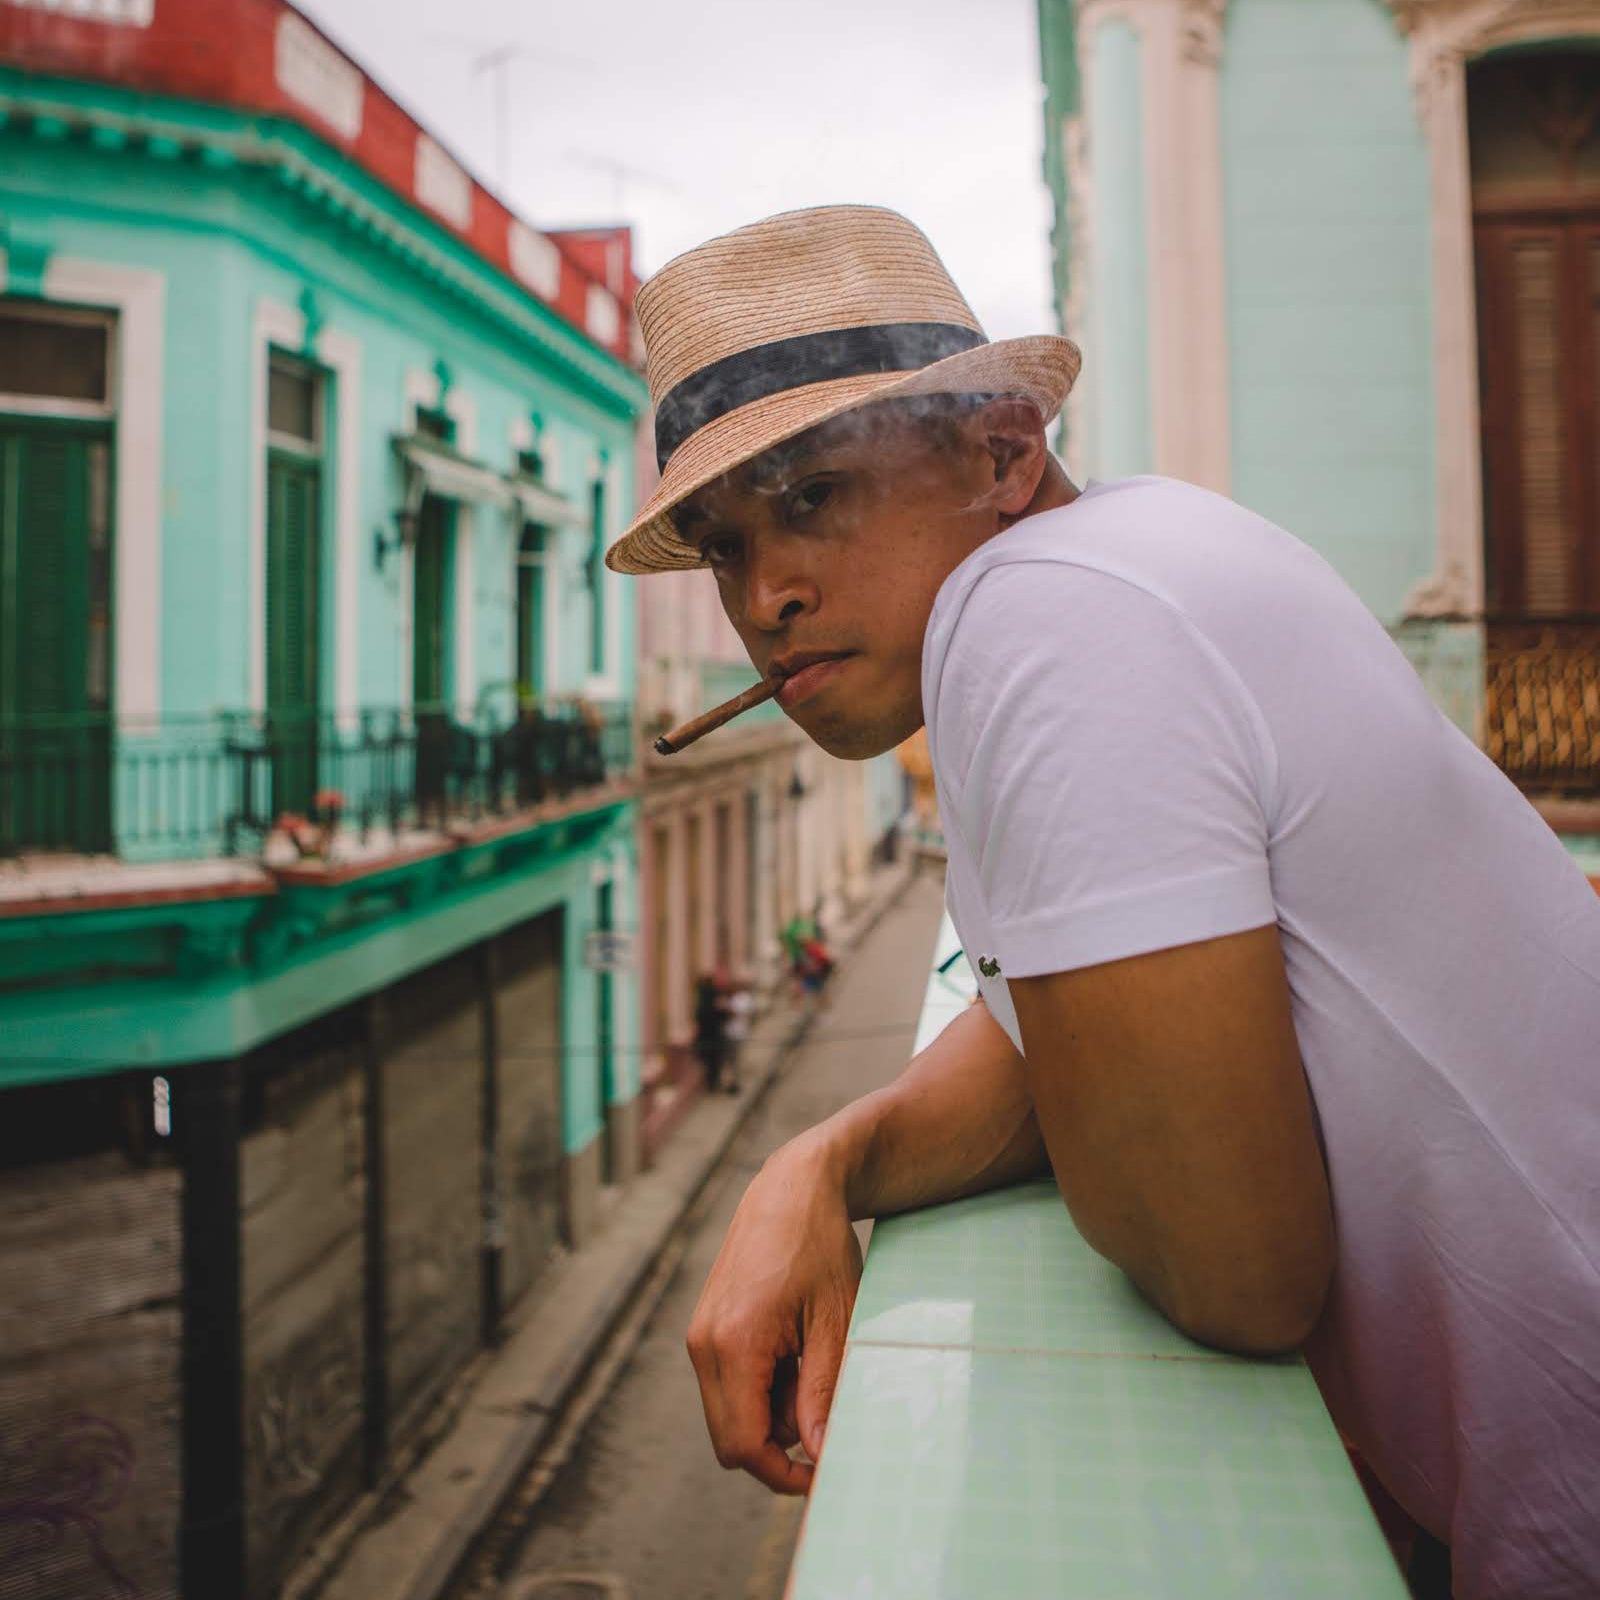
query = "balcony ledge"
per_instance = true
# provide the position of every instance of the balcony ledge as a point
(40, 885)
(1012, 1419)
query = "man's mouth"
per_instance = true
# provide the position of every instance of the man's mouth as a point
(805, 673)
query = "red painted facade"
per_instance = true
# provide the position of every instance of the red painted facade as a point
(225, 52)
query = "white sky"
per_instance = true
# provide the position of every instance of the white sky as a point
(731, 110)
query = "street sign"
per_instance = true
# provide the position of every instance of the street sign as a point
(608, 950)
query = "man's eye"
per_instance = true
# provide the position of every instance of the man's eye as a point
(810, 496)
(720, 551)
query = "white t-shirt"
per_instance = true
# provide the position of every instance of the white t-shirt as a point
(1156, 718)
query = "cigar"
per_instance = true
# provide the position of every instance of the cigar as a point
(669, 744)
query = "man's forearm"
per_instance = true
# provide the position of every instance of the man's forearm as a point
(957, 1121)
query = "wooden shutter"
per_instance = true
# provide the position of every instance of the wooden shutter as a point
(1544, 505)
(428, 605)
(293, 624)
(54, 527)
(1539, 326)
(50, 609)
(530, 611)
(596, 579)
(293, 557)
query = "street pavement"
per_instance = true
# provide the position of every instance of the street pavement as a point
(641, 1510)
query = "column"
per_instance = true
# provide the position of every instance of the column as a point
(678, 971)
(737, 909)
(1180, 43)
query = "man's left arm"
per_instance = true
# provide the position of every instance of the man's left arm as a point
(1175, 1109)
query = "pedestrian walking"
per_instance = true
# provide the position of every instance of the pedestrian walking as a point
(710, 1030)
(1292, 991)
(738, 1007)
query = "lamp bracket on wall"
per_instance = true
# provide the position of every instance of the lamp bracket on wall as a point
(407, 516)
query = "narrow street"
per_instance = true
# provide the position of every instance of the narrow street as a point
(641, 1510)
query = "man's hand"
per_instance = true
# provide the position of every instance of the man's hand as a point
(767, 1337)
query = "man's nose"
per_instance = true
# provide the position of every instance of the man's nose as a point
(777, 592)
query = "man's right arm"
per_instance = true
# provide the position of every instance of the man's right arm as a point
(957, 1121)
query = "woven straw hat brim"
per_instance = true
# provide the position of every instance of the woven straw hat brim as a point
(1041, 368)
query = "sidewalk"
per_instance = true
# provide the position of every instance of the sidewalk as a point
(409, 1543)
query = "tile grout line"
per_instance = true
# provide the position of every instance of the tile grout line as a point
(1201, 1358)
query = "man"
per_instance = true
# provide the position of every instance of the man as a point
(1294, 993)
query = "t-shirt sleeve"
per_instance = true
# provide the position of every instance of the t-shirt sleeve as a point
(1107, 767)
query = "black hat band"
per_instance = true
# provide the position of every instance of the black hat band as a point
(769, 369)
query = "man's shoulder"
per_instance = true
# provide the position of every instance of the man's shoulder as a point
(1135, 529)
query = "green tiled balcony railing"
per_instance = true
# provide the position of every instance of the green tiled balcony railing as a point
(184, 787)
(1013, 1420)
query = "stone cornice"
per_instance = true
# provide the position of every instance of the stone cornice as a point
(1199, 21)
(1469, 26)
(1202, 30)
(302, 165)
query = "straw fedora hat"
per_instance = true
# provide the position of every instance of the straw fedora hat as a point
(763, 333)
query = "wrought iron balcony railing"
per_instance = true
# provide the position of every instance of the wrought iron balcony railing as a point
(219, 785)
(1542, 702)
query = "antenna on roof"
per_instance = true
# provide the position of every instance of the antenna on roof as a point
(496, 58)
(620, 172)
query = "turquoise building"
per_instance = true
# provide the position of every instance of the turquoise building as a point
(1334, 258)
(317, 795)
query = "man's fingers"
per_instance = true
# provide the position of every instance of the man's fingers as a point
(738, 1400)
(819, 1376)
(785, 1381)
(772, 1466)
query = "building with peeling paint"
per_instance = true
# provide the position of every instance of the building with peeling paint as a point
(317, 781)
(1337, 259)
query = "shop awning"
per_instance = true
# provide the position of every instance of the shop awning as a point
(540, 503)
(433, 468)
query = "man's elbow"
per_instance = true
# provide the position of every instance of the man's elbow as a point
(1257, 1314)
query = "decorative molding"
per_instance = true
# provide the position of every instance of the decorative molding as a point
(312, 73)
(602, 315)
(390, 224)
(442, 185)
(1442, 594)
(118, 13)
(1202, 31)
(1445, 35)
(535, 259)
(1480, 20)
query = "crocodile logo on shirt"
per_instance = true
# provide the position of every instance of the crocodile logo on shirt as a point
(988, 966)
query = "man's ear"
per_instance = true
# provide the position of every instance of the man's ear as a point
(1014, 435)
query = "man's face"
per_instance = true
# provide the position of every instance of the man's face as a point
(828, 552)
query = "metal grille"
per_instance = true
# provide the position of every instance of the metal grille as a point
(1542, 706)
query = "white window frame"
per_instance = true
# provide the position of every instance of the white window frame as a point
(281, 329)
(38, 405)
